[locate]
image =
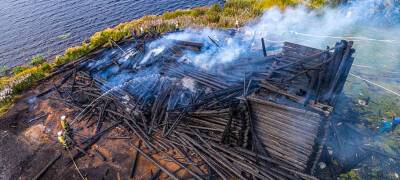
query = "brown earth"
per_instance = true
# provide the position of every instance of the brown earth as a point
(27, 147)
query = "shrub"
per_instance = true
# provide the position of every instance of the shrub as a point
(76, 52)
(197, 12)
(103, 38)
(212, 17)
(3, 70)
(18, 69)
(59, 60)
(100, 38)
(169, 15)
(216, 8)
(20, 87)
(37, 60)
(285, 3)
(213, 14)
(316, 3)
(26, 79)
(45, 67)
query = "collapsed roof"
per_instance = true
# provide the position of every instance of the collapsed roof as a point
(261, 115)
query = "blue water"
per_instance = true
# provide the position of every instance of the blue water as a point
(48, 27)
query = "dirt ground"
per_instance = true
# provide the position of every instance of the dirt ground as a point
(27, 147)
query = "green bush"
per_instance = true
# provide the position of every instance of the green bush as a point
(37, 60)
(46, 68)
(212, 17)
(76, 52)
(20, 87)
(28, 82)
(59, 60)
(18, 69)
(73, 53)
(103, 38)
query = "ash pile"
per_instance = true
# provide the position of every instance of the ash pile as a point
(261, 114)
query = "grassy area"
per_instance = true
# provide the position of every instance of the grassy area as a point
(24, 77)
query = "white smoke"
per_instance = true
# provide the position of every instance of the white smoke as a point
(374, 30)
(189, 83)
(153, 52)
(315, 28)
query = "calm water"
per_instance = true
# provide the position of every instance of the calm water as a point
(47, 27)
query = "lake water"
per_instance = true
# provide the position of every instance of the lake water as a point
(48, 27)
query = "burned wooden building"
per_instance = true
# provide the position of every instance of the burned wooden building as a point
(263, 115)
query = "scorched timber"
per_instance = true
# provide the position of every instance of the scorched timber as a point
(262, 121)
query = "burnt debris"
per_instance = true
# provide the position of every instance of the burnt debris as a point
(260, 116)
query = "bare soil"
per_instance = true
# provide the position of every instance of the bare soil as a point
(27, 147)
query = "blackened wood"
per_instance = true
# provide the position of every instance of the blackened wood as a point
(155, 162)
(213, 41)
(263, 47)
(155, 175)
(40, 174)
(134, 162)
(100, 155)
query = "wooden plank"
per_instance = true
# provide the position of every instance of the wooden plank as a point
(283, 107)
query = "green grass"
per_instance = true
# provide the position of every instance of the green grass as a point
(196, 12)
(5, 105)
(174, 14)
(215, 16)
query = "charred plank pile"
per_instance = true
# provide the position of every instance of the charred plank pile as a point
(256, 117)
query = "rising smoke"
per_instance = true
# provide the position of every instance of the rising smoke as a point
(372, 25)
(366, 22)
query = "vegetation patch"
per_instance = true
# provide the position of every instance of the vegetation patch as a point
(37, 60)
